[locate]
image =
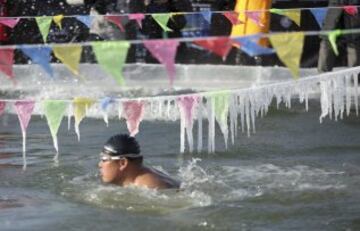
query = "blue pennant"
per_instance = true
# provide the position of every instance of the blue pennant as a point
(105, 102)
(207, 15)
(41, 56)
(252, 48)
(87, 20)
(319, 14)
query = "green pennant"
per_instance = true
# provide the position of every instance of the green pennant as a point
(162, 20)
(112, 56)
(333, 35)
(277, 11)
(221, 106)
(54, 111)
(44, 24)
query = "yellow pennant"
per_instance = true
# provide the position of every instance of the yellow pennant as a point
(294, 15)
(58, 19)
(289, 48)
(81, 105)
(69, 55)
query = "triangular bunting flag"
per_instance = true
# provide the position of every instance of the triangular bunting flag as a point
(206, 15)
(80, 105)
(133, 112)
(221, 104)
(44, 24)
(39, 55)
(165, 52)
(333, 35)
(233, 17)
(24, 110)
(116, 20)
(58, 19)
(252, 48)
(138, 18)
(289, 55)
(7, 61)
(54, 111)
(255, 16)
(2, 107)
(112, 56)
(219, 46)
(69, 55)
(87, 20)
(9, 22)
(319, 14)
(162, 20)
(351, 10)
(105, 102)
(293, 14)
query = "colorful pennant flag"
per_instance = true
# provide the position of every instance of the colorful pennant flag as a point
(9, 22)
(165, 52)
(116, 20)
(24, 110)
(54, 111)
(255, 17)
(351, 10)
(221, 106)
(105, 102)
(44, 24)
(293, 14)
(333, 35)
(206, 15)
(219, 46)
(289, 55)
(2, 107)
(319, 14)
(133, 112)
(138, 18)
(112, 56)
(40, 55)
(252, 48)
(7, 61)
(69, 55)
(233, 17)
(162, 20)
(87, 20)
(58, 19)
(81, 105)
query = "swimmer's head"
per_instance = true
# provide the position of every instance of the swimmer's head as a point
(122, 145)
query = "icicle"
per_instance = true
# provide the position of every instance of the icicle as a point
(69, 114)
(348, 94)
(168, 108)
(200, 126)
(233, 117)
(324, 100)
(307, 101)
(211, 118)
(356, 93)
(182, 134)
(252, 111)
(247, 114)
(120, 110)
(24, 149)
(160, 110)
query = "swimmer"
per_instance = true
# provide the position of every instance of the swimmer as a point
(122, 164)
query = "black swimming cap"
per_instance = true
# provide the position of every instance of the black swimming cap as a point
(121, 145)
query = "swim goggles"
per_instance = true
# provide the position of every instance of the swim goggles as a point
(106, 157)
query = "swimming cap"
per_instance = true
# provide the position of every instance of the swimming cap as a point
(122, 145)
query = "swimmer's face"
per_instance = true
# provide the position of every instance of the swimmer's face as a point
(109, 169)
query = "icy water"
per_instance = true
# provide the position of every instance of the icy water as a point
(293, 174)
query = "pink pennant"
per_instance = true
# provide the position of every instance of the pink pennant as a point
(133, 112)
(138, 18)
(7, 61)
(2, 107)
(24, 110)
(351, 10)
(9, 22)
(116, 20)
(219, 46)
(187, 105)
(233, 17)
(255, 17)
(165, 52)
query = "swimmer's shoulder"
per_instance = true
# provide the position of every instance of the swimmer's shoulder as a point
(152, 180)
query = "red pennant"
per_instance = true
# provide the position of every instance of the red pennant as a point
(7, 61)
(233, 17)
(133, 112)
(219, 46)
(117, 21)
(351, 10)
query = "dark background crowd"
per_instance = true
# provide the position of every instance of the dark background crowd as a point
(26, 31)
